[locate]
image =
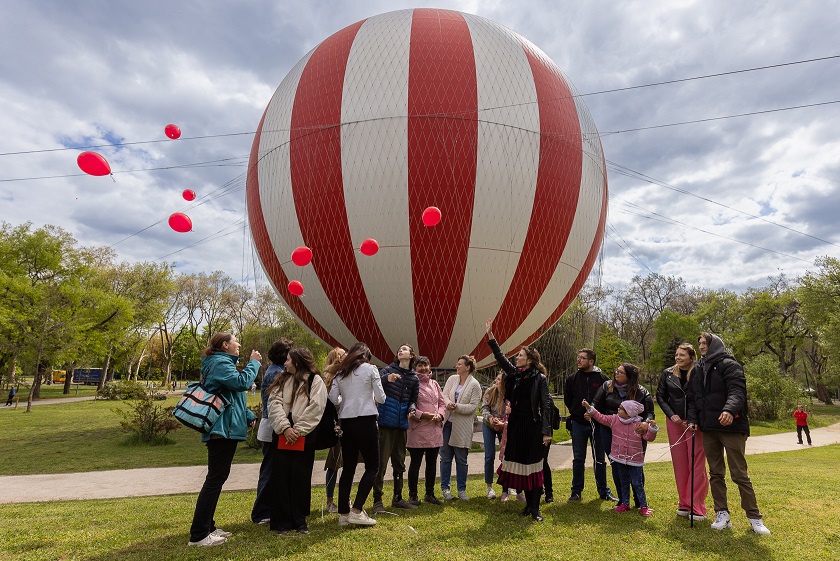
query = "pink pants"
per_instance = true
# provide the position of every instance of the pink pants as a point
(681, 458)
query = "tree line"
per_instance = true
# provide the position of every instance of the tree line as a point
(67, 306)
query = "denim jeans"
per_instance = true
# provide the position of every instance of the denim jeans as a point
(582, 435)
(630, 476)
(490, 439)
(446, 454)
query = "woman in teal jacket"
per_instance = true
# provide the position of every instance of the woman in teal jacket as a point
(219, 373)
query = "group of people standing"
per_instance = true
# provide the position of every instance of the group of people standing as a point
(705, 405)
(401, 409)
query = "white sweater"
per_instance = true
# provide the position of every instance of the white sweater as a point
(357, 394)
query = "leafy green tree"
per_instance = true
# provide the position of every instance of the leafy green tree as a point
(771, 395)
(611, 351)
(670, 331)
(820, 296)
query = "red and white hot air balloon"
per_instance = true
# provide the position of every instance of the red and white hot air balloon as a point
(416, 109)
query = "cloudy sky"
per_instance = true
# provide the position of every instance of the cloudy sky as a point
(92, 73)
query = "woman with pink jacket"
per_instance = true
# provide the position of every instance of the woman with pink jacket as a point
(425, 432)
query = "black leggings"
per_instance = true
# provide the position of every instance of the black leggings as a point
(360, 435)
(417, 455)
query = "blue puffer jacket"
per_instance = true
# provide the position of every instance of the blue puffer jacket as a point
(400, 397)
(220, 375)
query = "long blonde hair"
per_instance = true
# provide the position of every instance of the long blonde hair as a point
(334, 358)
(495, 394)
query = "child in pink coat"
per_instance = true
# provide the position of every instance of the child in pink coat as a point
(627, 454)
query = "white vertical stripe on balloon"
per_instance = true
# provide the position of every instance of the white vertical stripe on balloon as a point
(508, 158)
(581, 236)
(374, 144)
(276, 193)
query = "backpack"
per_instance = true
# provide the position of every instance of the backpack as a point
(328, 430)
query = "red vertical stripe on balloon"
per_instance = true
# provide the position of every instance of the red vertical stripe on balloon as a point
(263, 243)
(318, 186)
(555, 198)
(442, 155)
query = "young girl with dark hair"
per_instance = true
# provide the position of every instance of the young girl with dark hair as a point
(295, 407)
(355, 391)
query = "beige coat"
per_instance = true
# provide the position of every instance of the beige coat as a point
(463, 415)
(306, 411)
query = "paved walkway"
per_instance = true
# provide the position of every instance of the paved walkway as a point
(243, 477)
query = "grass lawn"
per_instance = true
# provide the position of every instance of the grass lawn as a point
(799, 510)
(86, 436)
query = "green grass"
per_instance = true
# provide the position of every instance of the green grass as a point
(86, 436)
(799, 510)
(55, 391)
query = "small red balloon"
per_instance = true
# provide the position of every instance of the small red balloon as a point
(180, 222)
(296, 288)
(431, 216)
(369, 247)
(172, 131)
(302, 256)
(93, 164)
(188, 194)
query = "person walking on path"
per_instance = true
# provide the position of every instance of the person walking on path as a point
(261, 511)
(580, 386)
(717, 405)
(355, 391)
(13, 393)
(529, 423)
(425, 433)
(801, 417)
(218, 368)
(400, 384)
(671, 396)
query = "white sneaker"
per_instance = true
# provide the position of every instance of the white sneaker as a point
(722, 521)
(684, 512)
(360, 518)
(463, 495)
(697, 517)
(209, 541)
(758, 526)
(332, 508)
(221, 533)
(447, 495)
(342, 519)
(491, 494)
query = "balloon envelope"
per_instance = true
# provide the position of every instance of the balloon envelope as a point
(302, 256)
(180, 222)
(296, 288)
(93, 164)
(188, 194)
(172, 131)
(431, 216)
(352, 146)
(369, 247)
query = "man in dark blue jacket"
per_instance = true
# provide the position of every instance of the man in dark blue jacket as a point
(401, 385)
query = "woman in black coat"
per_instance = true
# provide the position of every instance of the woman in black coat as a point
(529, 423)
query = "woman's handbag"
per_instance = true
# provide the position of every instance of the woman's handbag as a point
(199, 409)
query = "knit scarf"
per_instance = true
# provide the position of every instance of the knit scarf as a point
(523, 374)
(621, 389)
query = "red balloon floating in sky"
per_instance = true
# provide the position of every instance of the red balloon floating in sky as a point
(302, 256)
(369, 247)
(431, 216)
(296, 288)
(180, 222)
(188, 194)
(172, 131)
(93, 164)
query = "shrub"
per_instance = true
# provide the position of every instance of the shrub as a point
(148, 423)
(251, 436)
(770, 394)
(123, 389)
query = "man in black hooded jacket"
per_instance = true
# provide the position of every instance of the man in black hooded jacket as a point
(717, 405)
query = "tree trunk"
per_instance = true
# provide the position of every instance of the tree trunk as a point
(822, 393)
(105, 370)
(68, 378)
